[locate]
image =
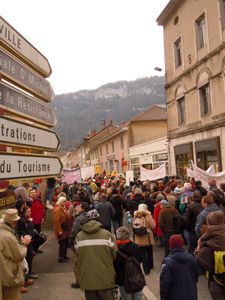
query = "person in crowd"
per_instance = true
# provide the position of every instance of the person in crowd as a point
(145, 241)
(192, 211)
(25, 227)
(83, 196)
(62, 228)
(200, 188)
(56, 194)
(51, 182)
(12, 254)
(179, 273)
(22, 192)
(74, 189)
(169, 222)
(157, 231)
(135, 199)
(73, 207)
(96, 252)
(218, 195)
(106, 212)
(212, 240)
(208, 205)
(129, 248)
(117, 203)
(185, 197)
(37, 210)
(43, 190)
(80, 220)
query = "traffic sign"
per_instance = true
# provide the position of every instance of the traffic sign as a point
(20, 103)
(17, 44)
(20, 74)
(18, 133)
(15, 166)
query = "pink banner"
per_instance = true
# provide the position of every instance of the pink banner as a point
(69, 176)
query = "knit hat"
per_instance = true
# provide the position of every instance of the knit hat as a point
(142, 207)
(92, 214)
(176, 241)
(164, 202)
(159, 197)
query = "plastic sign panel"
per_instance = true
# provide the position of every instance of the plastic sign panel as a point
(20, 103)
(19, 74)
(15, 166)
(18, 133)
(21, 47)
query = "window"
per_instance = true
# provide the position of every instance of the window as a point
(208, 153)
(121, 142)
(107, 149)
(181, 110)
(183, 157)
(200, 26)
(222, 13)
(204, 96)
(112, 143)
(177, 53)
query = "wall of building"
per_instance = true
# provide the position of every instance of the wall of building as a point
(141, 132)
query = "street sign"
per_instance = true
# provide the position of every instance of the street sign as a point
(15, 166)
(18, 73)
(18, 133)
(21, 47)
(19, 103)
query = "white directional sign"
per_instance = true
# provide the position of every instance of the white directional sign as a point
(18, 133)
(19, 45)
(15, 166)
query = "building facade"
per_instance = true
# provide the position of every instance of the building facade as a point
(194, 36)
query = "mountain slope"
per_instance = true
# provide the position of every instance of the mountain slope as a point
(78, 113)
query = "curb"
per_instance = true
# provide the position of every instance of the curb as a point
(148, 295)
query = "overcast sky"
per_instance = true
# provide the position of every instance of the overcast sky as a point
(89, 43)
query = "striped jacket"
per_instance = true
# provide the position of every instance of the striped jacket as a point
(96, 251)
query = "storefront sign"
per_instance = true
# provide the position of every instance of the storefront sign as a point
(7, 199)
(21, 75)
(19, 45)
(18, 133)
(19, 103)
(15, 166)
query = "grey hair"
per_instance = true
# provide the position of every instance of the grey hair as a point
(123, 233)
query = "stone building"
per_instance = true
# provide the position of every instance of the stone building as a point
(194, 36)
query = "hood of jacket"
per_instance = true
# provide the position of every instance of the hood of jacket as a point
(91, 226)
(180, 255)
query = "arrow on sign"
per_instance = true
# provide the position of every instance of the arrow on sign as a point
(18, 133)
(18, 44)
(14, 166)
(19, 74)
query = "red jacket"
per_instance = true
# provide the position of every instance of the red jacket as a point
(37, 211)
(157, 230)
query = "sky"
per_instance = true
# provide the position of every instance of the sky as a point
(89, 43)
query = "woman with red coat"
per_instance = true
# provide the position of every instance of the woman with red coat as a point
(37, 210)
(62, 228)
(157, 231)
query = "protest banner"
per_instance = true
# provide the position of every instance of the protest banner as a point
(155, 174)
(69, 176)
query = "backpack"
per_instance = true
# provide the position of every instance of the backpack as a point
(134, 279)
(219, 268)
(139, 226)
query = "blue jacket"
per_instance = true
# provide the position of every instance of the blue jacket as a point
(179, 276)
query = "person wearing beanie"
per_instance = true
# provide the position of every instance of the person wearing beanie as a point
(62, 227)
(212, 240)
(95, 249)
(117, 203)
(106, 212)
(129, 248)
(179, 273)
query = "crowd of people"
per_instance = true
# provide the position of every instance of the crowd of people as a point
(105, 222)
